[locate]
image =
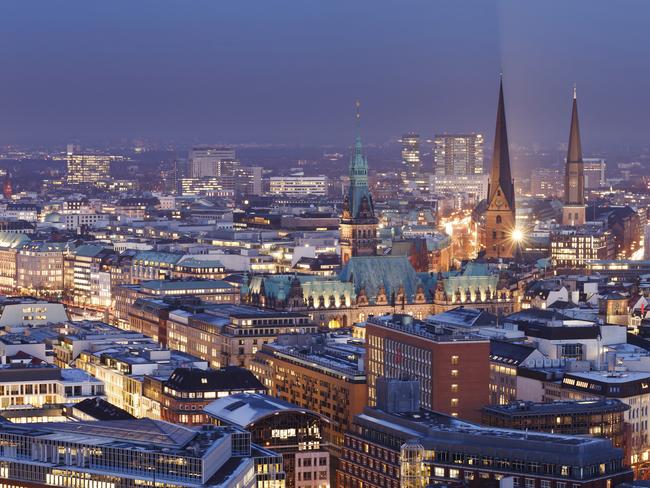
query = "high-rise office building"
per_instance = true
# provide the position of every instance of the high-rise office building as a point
(594, 171)
(500, 215)
(458, 154)
(573, 212)
(452, 367)
(86, 168)
(411, 153)
(546, 182)
(212, 161)
(298, 185)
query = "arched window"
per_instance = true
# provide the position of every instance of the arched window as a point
(498, 219)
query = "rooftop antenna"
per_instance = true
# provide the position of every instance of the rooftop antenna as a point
(575, 91)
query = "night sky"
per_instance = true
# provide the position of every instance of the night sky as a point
(289, 71)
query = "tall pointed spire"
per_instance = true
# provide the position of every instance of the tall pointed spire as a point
(574, 179)
(574, 153)
(500, 176)
(359, 174)
(500, 221)
(358, 222)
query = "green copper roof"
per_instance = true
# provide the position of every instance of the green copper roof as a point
(9, 240)
(358, 182)
(88, 250)
(371, 272)
(158, 257)
(200, 263)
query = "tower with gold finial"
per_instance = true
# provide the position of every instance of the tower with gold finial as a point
(573, 211)
(358, 227)
(500, 235)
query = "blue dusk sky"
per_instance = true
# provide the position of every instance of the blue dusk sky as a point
(289, 71)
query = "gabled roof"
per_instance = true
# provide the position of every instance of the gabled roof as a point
(509, 352)
(371, 272)
(89, 250)
(100, 409)
(224, 379)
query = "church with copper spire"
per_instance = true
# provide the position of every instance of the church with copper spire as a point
(573, 211)
(358, 227)
(500, 214)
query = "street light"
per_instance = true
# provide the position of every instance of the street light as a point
(517, 235)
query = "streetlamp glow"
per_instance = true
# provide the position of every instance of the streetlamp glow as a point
(517, 235)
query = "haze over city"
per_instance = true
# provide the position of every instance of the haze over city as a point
(319, 244)
(289, 72)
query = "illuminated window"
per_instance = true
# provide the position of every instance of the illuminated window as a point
(454, 373)
(454, 360)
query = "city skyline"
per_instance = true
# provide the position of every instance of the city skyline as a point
(324, 245)
(102, 75)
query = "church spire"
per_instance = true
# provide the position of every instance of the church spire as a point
(574, 153)
(500, 176)
(574, 178)
(500, 222)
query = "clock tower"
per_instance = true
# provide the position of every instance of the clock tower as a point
(573, 212)
(358, 227)
(500, 214)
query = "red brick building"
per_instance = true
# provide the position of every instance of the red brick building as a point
(453, 367)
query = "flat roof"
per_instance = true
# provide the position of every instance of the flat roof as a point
(525, 409)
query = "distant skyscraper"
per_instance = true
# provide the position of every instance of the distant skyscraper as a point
(411, 153)
(358, 222)
(298, 185)
(458, 154)
(500, 215)
(546, 182)
(594, 170)
(86, 168)
(573, 212)
(212, 161)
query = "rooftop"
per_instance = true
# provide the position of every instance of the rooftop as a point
(224, 379)
(193, 285)
(321, 352)
(142, 434)
(437, 431)
(524, 409)
(464, 317)
(432, 332)
(244, 409)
